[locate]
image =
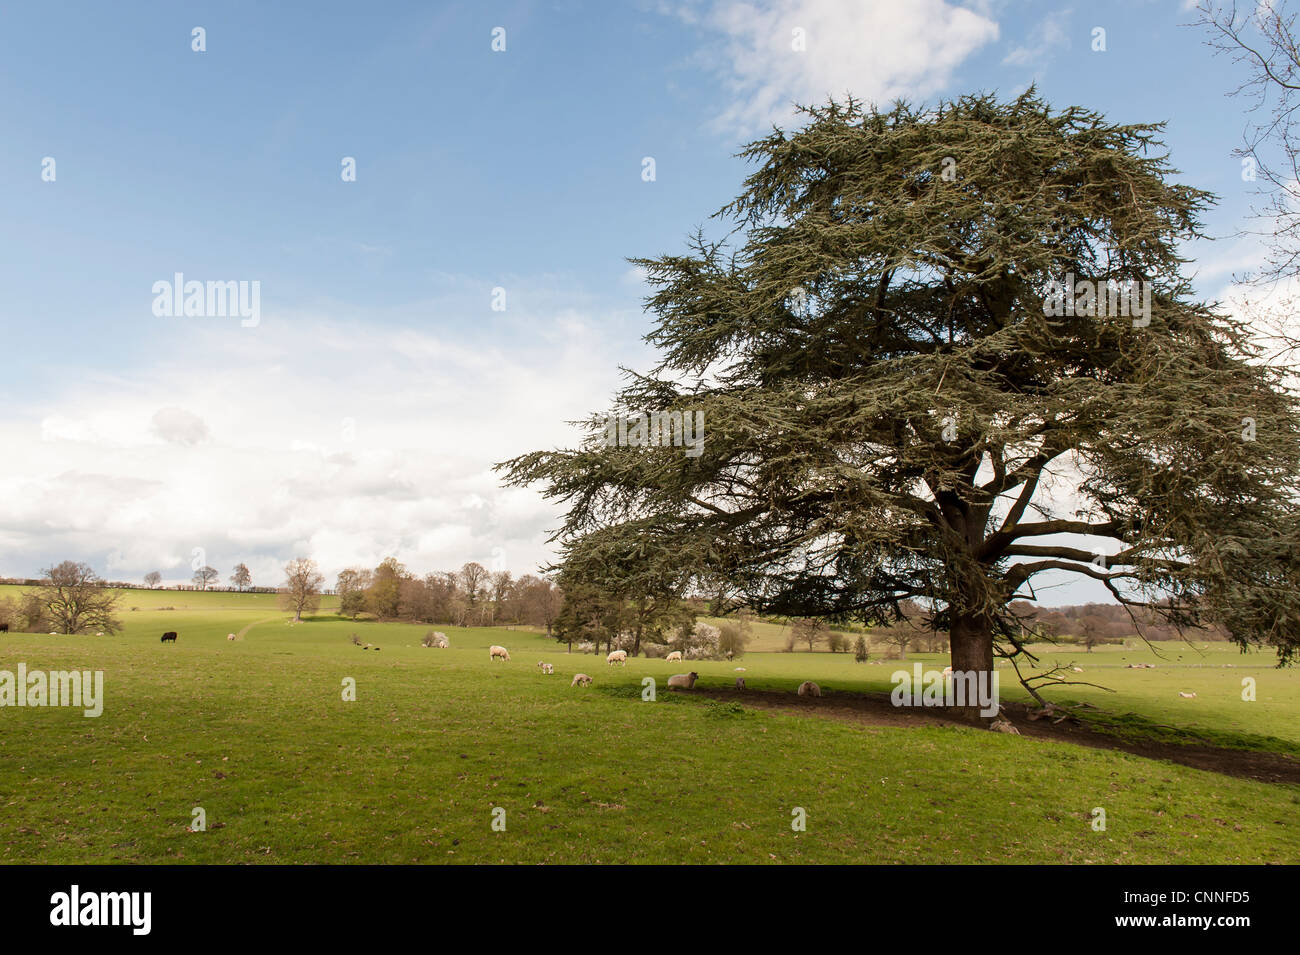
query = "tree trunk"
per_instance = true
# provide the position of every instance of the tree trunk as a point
(971, 637)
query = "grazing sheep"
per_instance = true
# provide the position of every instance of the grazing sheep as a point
(548, 668)
(494, 651)
(683, 681)
(740, 669)
(541, 665)
(169, 635)
(674, 657)
(740, 683)
(1187, 696)
(1077, 669)
(1003, 725)
(55, 633)
(230, 636)
(809, 688)
(581, 679)
(617, 656)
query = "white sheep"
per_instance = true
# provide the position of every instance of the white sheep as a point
(674, 657)
(440, 641)
(1187, 696)
(581, 679)
(617, 656)
(809, 688)
(548, 668)
(494, 651)
(230, 636)
(683, 681)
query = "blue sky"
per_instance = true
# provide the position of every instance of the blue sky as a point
(361, 416)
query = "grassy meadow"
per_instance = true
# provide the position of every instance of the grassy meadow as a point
(257, 733)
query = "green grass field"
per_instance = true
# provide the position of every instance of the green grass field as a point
(256, 732)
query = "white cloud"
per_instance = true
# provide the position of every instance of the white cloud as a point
(878, 50)
(1049, 34)
(343, 440)
(178, 426)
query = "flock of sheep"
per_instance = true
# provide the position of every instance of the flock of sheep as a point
(678, 681)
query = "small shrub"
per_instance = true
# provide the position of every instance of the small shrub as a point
(723, 709)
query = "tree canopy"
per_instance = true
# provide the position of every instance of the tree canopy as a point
(896, 409)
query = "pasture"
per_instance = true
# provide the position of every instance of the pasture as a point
(257, 733)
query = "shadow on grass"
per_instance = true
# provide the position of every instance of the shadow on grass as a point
(1134, 728)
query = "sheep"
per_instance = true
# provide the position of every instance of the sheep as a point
(581, 679)
(809, 688)
(4, 628)
(1003, 725)
(541, 665)
(494, 651)
(1187, 696)
(740, 669)
(683, 681)
(617, 656)
(440, 641)
(99, 633)
(230, 636)
(674, 657)
(1077, 669)
(169, 635)
(740, 683)
(548, 668)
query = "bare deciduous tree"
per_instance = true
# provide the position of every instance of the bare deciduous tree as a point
(473, 578)
(74, 599)
(301, 588)
(206, 577)
(1261, 37)
(810, 630)
(242, 577)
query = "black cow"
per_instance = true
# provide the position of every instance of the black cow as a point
(169, 635)
(4, 628)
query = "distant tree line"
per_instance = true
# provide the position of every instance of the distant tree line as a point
(1097, 623)
(470, 597)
